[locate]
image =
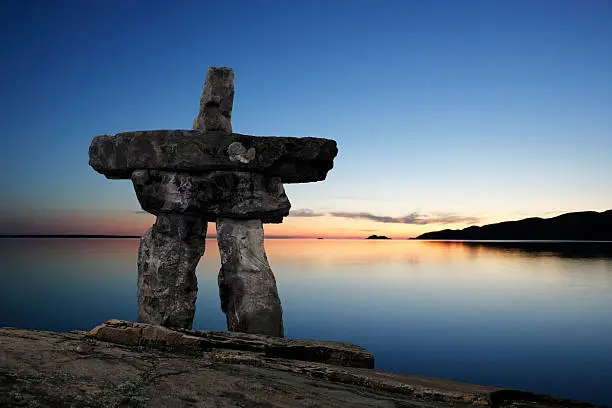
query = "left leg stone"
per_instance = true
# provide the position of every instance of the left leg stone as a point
(167, 258)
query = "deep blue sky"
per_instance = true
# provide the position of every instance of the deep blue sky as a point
(487, 110)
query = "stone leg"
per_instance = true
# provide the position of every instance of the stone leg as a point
(247, 287)
(167, 258)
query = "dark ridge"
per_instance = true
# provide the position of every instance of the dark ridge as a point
(377, 237)
(109, 236)
(576, 226)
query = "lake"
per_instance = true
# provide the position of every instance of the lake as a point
(528, 315)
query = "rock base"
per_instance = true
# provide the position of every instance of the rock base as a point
(109, 367)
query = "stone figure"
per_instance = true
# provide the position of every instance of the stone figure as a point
(187, 178)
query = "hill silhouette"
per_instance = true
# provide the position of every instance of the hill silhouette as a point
(575, 226)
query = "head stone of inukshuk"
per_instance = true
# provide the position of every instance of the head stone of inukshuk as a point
(187, 178)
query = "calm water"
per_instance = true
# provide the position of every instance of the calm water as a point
(531, 316)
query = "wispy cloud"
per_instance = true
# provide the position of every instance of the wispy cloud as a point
(450, 218)
(415, 218)
(364, 215)
(305, 212)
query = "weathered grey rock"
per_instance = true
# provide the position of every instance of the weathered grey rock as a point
(211, 119)
(237, 152)
(247, 288)
(109, 367)
(168, 255)
(212, 195)
(216, 101)
(293, 159)
(196, 341)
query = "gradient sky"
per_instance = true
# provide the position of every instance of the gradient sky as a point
(446, 113)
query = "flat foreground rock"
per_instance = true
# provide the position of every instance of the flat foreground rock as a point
(293, 159)
(46, 369)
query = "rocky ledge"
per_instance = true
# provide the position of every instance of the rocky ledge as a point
(124, 364)
(197, 342)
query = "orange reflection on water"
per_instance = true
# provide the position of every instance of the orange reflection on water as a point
(345, 252)
(443, 261)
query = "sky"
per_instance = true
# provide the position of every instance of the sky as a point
(446, 113)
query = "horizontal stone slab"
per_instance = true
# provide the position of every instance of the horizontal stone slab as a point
(293, 159)
(196, 341)
(212, 195)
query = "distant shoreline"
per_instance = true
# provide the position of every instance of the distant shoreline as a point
(527, 241)
(574, 226)
(90, 236)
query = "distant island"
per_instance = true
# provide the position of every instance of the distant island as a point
(377, 237)
(575, 226)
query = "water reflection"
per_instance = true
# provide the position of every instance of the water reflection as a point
(534, 316)
(563, 249)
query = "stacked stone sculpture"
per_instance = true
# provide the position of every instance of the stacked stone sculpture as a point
(187, 178)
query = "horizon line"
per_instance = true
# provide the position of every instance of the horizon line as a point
(122, 236)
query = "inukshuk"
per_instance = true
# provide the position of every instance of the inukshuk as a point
(187, 178)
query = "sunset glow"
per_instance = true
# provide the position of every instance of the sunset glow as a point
(445, 115)
(136, 223)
